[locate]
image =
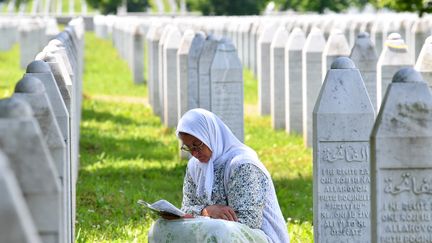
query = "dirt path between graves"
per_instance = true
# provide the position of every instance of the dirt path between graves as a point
(121, 99)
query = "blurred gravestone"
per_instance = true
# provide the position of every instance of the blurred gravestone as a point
(171, 46)
(293, 81)
(277, 78)
(263, 68)
(393, 57)
(187, 72)
(365, 57)
(311, 79)
(336, 46)
(424, 61)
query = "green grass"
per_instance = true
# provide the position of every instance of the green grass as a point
(10, 71)
(106, 73)
(126, 155)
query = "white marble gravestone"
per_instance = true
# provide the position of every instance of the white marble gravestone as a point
(277, 78)
(293, 81)
(424, 61)
(226, 75)
(394, 56)
(263, 67)
(342, 120)
(364, 56)
(138, 54)
(171, 46)
(16, 222)
(401, 183)
(204, 64)
(311, 79)
(153, 37)
(21, 140)
(187, 72)
(161, 73)
(377, 35)
(32, 90)
(336, 46)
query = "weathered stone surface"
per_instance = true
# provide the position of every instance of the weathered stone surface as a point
(277, 78)
(22, 141)
(365, 57)
(226, 75)
(343, 119)
(293, 81)
(424, 61)
(311, 79)
(393, 57)
(16, 223)
(401, 162)
(263, 67)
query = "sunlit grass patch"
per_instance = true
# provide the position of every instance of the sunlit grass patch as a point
(10, 71)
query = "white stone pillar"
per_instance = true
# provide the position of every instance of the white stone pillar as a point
(311, 79)
(342, 121)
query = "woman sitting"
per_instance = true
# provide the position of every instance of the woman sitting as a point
(226, 182)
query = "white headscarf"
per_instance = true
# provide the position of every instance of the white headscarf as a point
(213, 132)
(226, 148)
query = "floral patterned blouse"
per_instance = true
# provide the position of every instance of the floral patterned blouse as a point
(247, 190)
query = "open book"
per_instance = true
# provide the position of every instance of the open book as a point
(163, 207)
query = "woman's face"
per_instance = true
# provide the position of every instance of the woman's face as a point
(196, 147)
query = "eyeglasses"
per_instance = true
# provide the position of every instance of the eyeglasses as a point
(193, 148)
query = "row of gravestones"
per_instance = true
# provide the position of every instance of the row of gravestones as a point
(32, 34)
(46, 7)
(186, 68)
(290, 55)
(39, 136)
(372, 180)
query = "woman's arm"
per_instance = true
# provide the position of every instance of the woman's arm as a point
(191, 204)
(247, 190)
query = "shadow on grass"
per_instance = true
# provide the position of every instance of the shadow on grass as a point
(103, 116)
(96, 142)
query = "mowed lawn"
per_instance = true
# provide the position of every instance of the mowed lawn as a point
(126, 154)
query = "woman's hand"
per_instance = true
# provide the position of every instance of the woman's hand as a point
(219, 212)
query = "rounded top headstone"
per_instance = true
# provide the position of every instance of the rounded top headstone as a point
(363, 35)
(38, 66)
(342, 63)
(29, 85)
(407, 74)
(14, 108)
